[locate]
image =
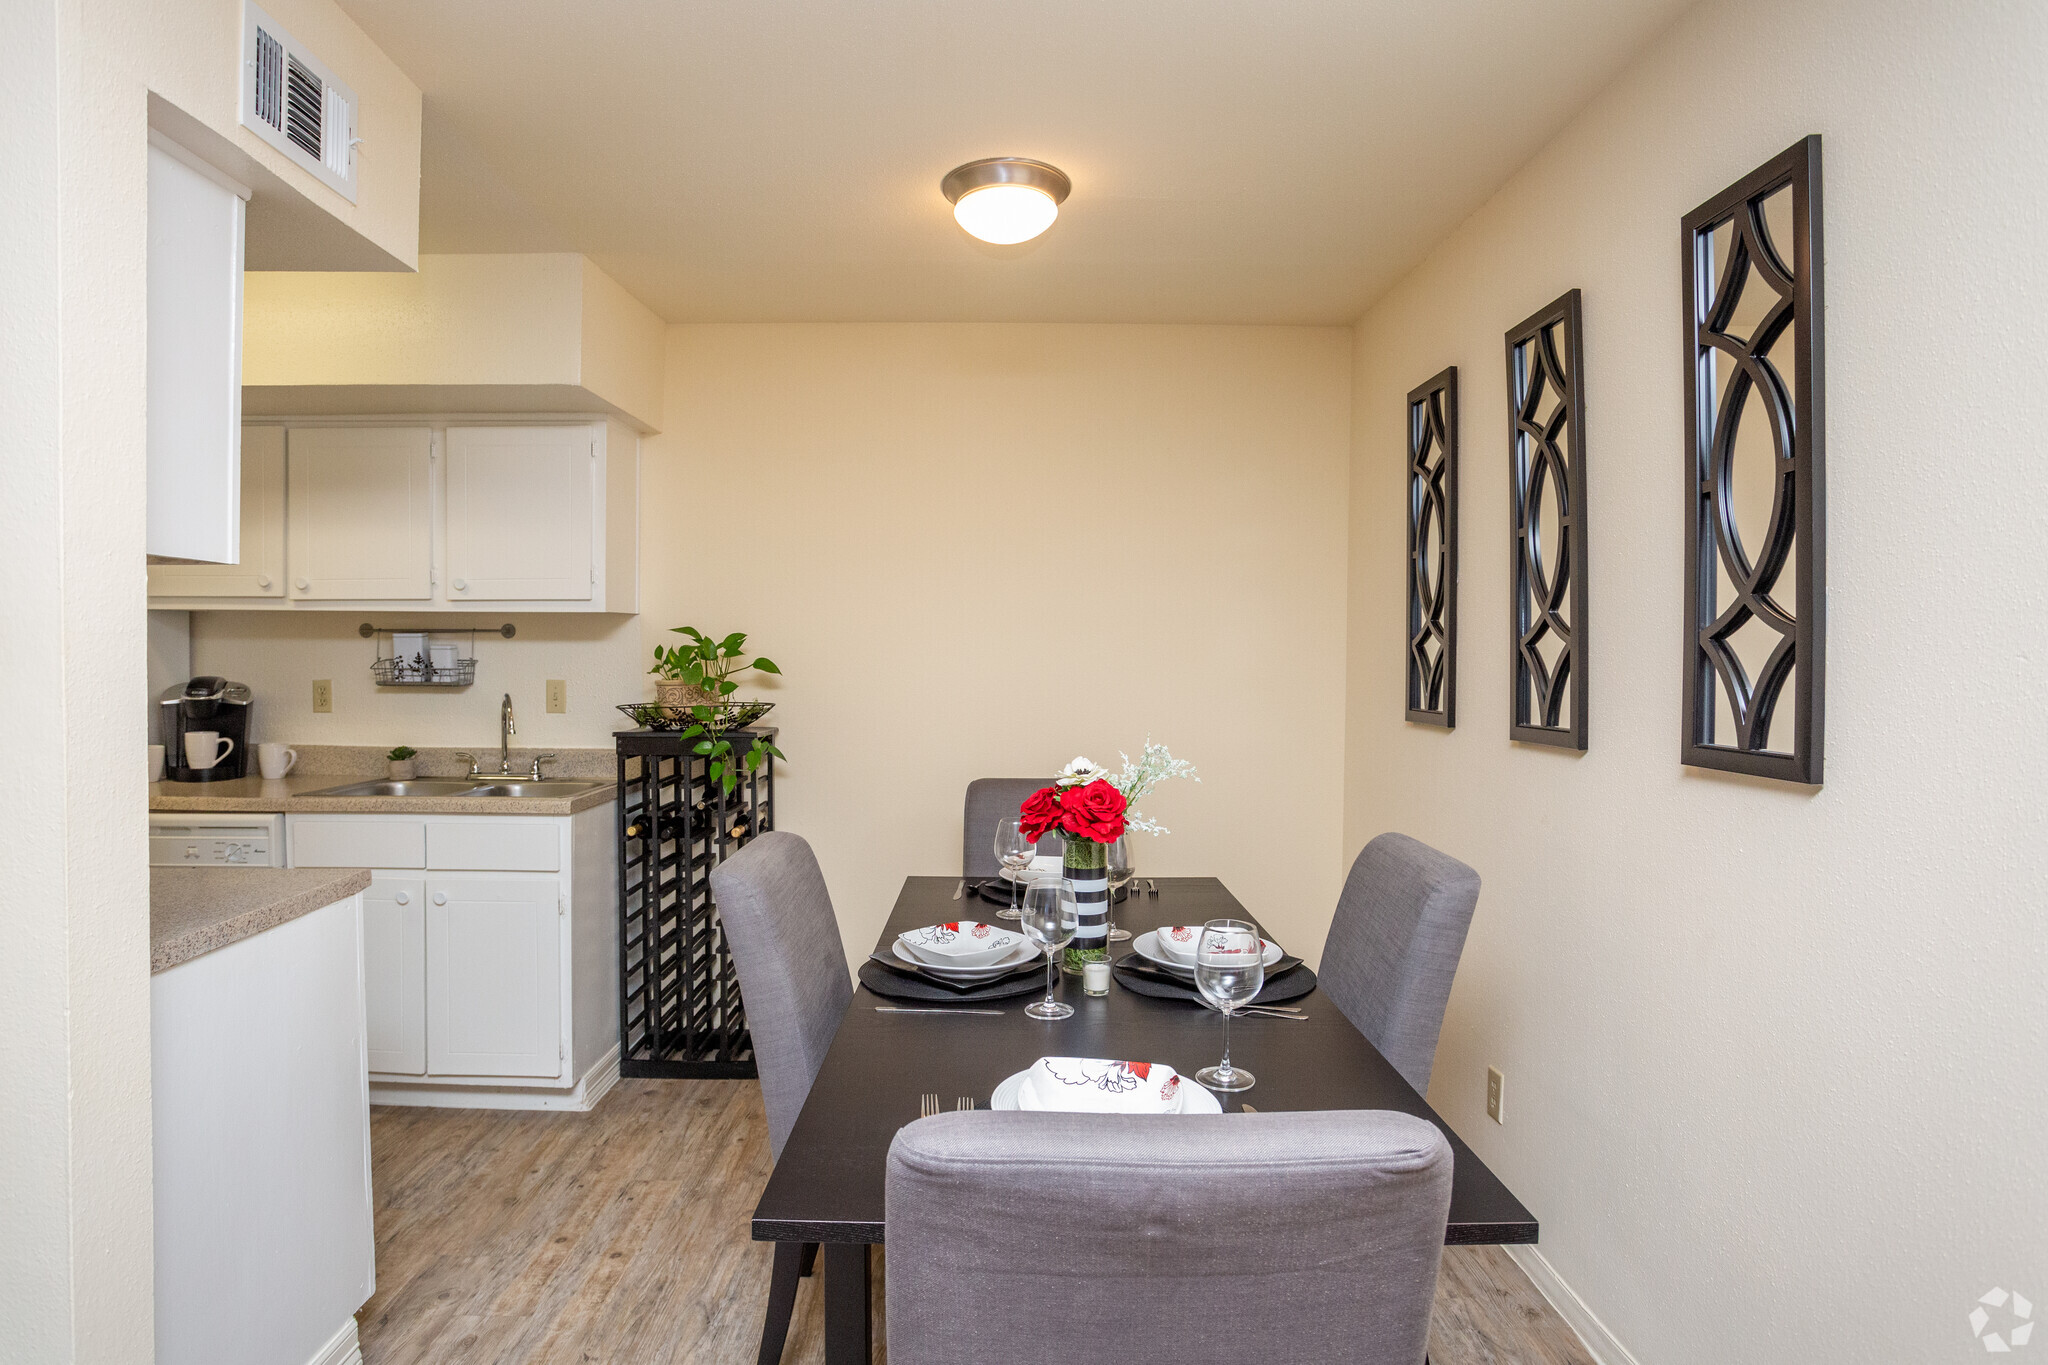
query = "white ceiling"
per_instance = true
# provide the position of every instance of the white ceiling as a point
(1232, 161)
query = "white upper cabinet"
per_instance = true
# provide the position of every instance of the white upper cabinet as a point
(196, 218)
(520, 513)
(526, 516)
(261, 570)
(359, 514)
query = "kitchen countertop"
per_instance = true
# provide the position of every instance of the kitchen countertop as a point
(288, 794)
(196, 910)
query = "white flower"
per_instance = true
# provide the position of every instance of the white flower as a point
(1138, 779)
(1080, 773)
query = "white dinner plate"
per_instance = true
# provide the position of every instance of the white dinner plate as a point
(1002, 966)
(1194, 1099)
(1147, 946)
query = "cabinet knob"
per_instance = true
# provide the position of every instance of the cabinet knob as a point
(440, 898)
(302, 584)
(263, 580)
(403, 898)
(462, 585)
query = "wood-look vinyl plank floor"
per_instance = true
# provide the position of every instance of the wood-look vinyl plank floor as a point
(619, 1237)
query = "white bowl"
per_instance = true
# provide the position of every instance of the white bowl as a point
(1043, 865)
(1023, 953)
(1147, 946)
(961, 943)
(1193, 1098)
(1093, 1085)
(1176, 942)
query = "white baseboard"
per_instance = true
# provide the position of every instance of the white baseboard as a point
(1599, 1342)
(343, 1349)
(589, 1089)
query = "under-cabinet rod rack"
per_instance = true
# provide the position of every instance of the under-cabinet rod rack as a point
(366, 630)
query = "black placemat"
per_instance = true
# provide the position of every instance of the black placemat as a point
(882, 981)
(1146, 980)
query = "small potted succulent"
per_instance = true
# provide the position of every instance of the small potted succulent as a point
(400, 765)
(700, 673)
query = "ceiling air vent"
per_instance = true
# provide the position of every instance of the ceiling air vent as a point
(292, 100)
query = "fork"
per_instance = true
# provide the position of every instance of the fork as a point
(927, 1105)
(964, 1105)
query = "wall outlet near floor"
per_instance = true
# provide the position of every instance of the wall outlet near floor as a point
(558, 696)
(1495, 1083)
(323, 694)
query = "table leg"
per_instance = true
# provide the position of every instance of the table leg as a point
(847, 1329)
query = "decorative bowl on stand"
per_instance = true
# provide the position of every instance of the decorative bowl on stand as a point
(716, 717)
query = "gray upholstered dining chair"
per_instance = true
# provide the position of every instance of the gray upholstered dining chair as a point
(1394, 946)
(989, 799)
(785, 945)
(1227, 1238)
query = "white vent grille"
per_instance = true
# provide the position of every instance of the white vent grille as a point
(293, 101)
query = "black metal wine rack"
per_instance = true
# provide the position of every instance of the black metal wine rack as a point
(680, 1012)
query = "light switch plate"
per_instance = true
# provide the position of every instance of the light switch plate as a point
(1495, 1083)
(558, 696)
(323, 694)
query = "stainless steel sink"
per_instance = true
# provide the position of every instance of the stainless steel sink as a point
(419, 786)
(545, 787)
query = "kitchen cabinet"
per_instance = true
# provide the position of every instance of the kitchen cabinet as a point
(522, 516)
(194, 345)
(490, 953)
(259, 568)
(519, 504)
(494, 975)
(395, 972)
(357, 513)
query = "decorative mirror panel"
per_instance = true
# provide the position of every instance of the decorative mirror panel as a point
(1433, 551)
(1755, 589)
(1547, 505)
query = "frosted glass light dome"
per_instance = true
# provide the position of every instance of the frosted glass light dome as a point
(1006, 214)
(1005, 199)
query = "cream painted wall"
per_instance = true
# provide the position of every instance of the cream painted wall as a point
(1773, 1056)
(536, 320)
(75, 81)
(279, 655)
(979, 550)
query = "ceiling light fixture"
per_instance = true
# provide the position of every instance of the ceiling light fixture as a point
(1005, 199)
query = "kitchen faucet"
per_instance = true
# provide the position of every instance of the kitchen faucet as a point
(506, 729)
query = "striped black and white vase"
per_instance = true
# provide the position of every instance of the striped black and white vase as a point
(1087, 867)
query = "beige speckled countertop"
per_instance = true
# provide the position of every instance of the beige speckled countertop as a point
(288, 794)
(195, 910)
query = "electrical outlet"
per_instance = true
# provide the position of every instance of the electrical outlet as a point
(1495, 1083)
(323, 694)
(558, 696)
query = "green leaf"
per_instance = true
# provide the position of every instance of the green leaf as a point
(753, 760)
(702, 746)
(727, 688)
(691, 731)
(728, 783)
(772, 749)
(765, 666)
(733, 641)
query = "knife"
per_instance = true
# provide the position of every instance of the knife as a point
(958, 887)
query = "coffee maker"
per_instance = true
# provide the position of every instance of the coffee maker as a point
(206, 703)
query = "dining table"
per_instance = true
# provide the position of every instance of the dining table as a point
(828, 1185)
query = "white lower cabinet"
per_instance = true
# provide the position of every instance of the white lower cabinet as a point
(487, 984)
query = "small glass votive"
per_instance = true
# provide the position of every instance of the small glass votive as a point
(1095, 978)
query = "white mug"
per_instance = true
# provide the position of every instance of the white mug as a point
(274, 760)
(204, 748)
(156, 762)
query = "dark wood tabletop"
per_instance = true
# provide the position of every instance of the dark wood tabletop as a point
(828, 1185)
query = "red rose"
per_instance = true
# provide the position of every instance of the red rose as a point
(1040, 812)
(1094, 812)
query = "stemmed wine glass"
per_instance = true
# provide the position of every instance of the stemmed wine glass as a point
(1230, 970)
(1051, 915)
(1014, 852)
(1118, 856)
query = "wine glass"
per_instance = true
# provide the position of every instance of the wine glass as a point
(1230, 970)
(1118, 856)
(1014, 852)
(1051, 915)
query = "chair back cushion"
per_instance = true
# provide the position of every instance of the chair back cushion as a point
(1394, 946)
(989, 799)
(793, 976)
(1220, 1239)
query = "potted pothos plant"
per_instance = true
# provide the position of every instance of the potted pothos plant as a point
(699, 678)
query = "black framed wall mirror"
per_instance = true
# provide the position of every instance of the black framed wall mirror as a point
(1547, 511)
(1756, 591)
(1432, 655)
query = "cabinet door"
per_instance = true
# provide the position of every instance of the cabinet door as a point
(261, 570)
(358, 514)
(519, 513)
(395, 973)
(494, 975)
